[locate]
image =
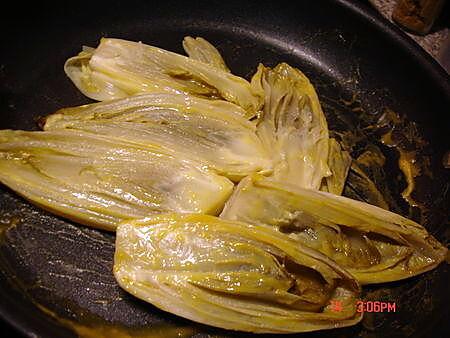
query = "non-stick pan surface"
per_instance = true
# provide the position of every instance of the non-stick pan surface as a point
(55, 276)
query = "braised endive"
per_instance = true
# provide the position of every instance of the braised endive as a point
(232, 275)
(294, 129)
(201, 50)
(292, 126)
(339, 162)
(373, 244)
(119, 68)
(212, 132)
(99, 181)
(157, 158)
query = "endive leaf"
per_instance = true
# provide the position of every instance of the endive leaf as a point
(361, 187)
(374, 244)
(339, 162)
(232, 275)
(201, 50)
(211, 132)
(99, 182)
(293, 126)
(119, 68)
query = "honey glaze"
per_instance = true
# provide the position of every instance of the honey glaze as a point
(413, 161)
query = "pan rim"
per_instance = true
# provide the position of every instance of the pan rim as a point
(394, 33)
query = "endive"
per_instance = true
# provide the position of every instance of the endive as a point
(201, 50)
(211, 132)
(292, 126)
(99, 182)
(232, 275)
(375, 245)
(339, 162)
(119, 68)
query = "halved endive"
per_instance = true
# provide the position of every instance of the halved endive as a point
(119, 68)
(292, 126)
(211, 132)
(373, 244)
(232, 275)
(100, 182)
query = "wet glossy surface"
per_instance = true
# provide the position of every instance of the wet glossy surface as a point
(231, 275)
(358, 71)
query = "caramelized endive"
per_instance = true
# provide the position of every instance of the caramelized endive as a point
(373, 244)
(232, 275)
(100, 182)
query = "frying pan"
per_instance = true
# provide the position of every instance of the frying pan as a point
(55, 276)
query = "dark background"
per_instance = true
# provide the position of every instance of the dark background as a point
(19, 26)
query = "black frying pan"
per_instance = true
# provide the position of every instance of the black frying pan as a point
(55, 276)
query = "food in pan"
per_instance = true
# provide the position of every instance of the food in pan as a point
(201, 50)
(213, 133)
(158, 160)
(232, 275)
(292, 126)
(100, 182)
(373, 244)
(119, 68)
(294, 129)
